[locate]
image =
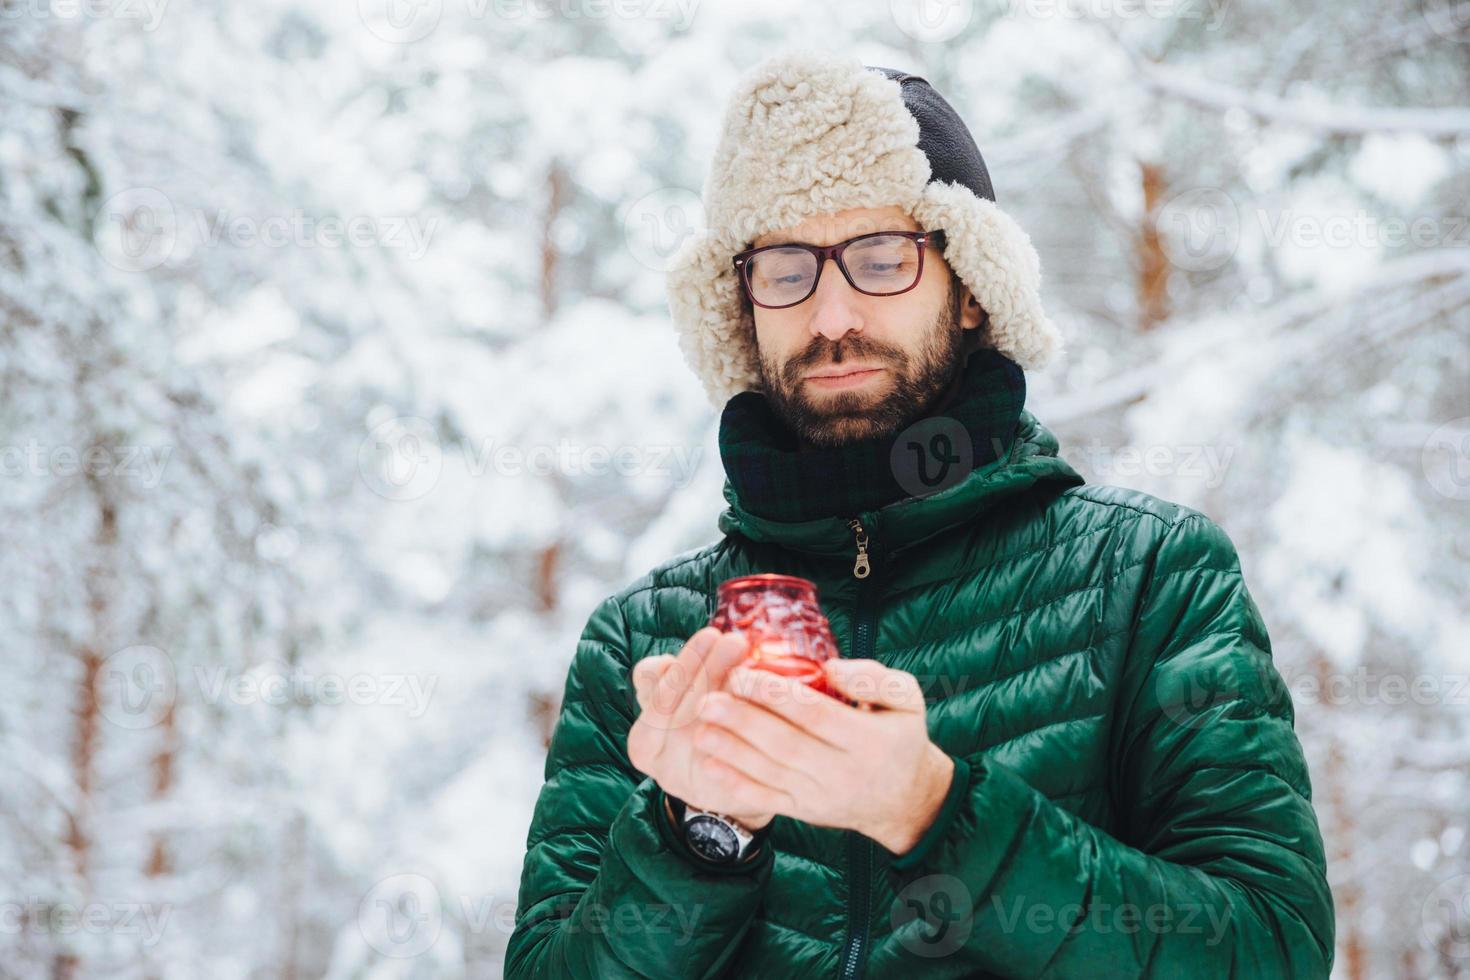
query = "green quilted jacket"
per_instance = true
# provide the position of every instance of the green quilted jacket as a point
(1129, 797)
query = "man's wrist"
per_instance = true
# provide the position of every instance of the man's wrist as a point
(916, 819)
(670, 812)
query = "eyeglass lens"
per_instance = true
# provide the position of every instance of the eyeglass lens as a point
(879, 265)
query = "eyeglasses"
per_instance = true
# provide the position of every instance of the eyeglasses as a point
(882, 263)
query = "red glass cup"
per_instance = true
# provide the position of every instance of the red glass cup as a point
(789, 634)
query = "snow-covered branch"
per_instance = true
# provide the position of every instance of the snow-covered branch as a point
(1327, 117)
(1211, 338)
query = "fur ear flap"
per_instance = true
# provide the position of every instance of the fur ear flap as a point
(716, 334)
(994, 256)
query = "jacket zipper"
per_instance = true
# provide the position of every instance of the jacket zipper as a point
(860, 566)
(859, 848)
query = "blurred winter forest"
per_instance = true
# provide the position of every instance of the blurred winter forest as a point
(339, 386)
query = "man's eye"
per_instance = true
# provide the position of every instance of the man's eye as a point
(778, 277)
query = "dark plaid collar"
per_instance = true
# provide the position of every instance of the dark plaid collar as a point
(774, 478)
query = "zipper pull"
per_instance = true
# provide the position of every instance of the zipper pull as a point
(862, 566)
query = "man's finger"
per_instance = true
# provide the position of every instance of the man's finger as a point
(874, 683)
(681, 675)
(796, 709)
(756, 765)
(728, 650)
(727, 654)
(646, 674)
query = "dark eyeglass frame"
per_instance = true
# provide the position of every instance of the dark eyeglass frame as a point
(924, 239)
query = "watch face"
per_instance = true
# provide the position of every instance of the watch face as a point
(711, 838)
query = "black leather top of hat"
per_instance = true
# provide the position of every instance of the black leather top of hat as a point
(943, 136)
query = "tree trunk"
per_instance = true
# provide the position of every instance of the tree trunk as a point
(1153, 263)
(556, 201)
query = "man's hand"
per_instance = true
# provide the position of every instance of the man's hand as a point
(873, 770)
(662, 742)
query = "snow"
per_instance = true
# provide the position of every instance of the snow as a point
(390, 481)
(1401, 168)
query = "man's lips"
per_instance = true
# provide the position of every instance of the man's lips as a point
(839, 370)
(842, 377)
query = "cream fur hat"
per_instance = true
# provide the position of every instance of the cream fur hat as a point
(809, 133)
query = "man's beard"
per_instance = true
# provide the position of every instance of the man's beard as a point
(917, 381)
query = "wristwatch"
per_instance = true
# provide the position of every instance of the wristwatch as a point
(715, 837)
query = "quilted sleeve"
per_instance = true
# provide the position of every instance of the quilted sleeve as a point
(605, 890)
(1222, 873)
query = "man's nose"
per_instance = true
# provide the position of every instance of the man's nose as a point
(834, 306)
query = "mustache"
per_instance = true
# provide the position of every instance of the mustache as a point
(823, 351)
